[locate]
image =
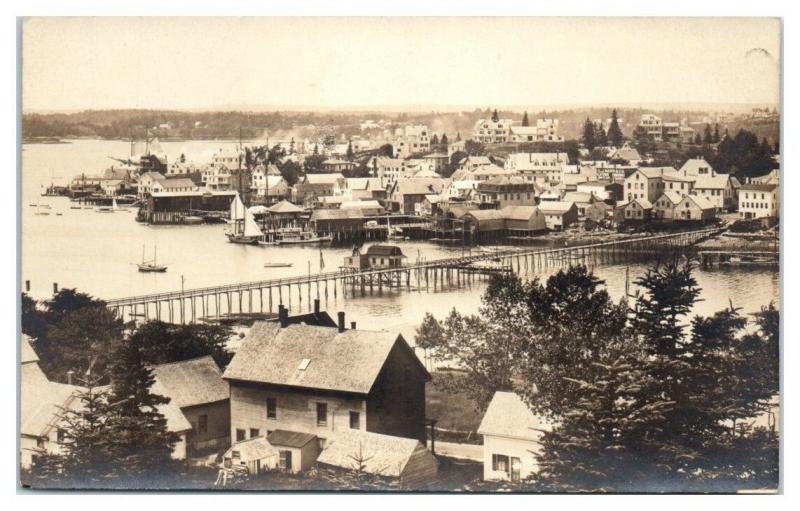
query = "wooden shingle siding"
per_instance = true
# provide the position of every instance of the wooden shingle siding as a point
(296, 409)
(219, 423)
(420, 470)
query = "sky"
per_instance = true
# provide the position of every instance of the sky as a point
(338, 63)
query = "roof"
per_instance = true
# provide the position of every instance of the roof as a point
(178, 182)
(349, 361)
(358, 183)
(642, 203)
(379, 454)
(361, 204)
(158, 176)
(555, 207)
(336, 214)
(491, 170)
(651, 172)
(578, 197)
(715, 182)
(673, 195)
(759, 187)
(192, 382)
(256, 448)
(284, 206)
(486, 214)
(282, 437)
(196, 193)
(700, 201)
(693, 165)
(419, 185)
(41, 400)
(27, 353)
(384, 250)
(508, 416)
(519, 212)
(326, 178)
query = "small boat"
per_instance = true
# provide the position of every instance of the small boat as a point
(104, 210)
(278, 265)
(75, 207)
(245, 230)
(151, 266)
(192, 220)
(59, 214)
(114, 206)
(39, 210)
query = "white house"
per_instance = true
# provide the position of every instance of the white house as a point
(511, 435)
(489, 131)
(539, 168)
(759, 201)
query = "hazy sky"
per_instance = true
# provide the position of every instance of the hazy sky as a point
(92, 63)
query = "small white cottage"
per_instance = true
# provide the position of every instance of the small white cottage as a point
(511, 434)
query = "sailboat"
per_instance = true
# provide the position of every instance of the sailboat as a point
(114, 206)
(39, 210)
(151, 266)
(244, 228)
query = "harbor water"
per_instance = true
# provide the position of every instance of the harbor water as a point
(97, 252)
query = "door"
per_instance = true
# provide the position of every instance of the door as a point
(516, 467)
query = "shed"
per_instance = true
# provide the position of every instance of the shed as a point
(403, 459)
(486, 220)
(558, 214)
(523, 218)
(297, 451)
(256, 454)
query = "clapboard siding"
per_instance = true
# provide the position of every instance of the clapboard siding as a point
(420, 470)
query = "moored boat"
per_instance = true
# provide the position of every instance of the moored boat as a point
(151, 266)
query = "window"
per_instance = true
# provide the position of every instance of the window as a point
(322, 414)
(40, 442)
(272, 408)
(500, 463)
(60, 435)
(254, 432)
(240, 435)
(355, 420)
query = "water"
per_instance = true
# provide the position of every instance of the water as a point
(97, 252)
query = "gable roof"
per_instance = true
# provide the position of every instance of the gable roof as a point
(284, 206)
(693, 165)
(700, 201)
(715, 182)
(177, 182)
(336, 214)
(192, 382)
(251, 449)
(519, 212)
(361, 204)
(349, 361)
(419, 186)
(673, 196)
(555, 207)
(755, 187)
(27, 353)
(383, 455)
(508, 416)
(578, 197)
(324, 179)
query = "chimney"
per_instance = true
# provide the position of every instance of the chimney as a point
(341, 321)
(316, 306)
(69, 376)
(352, 325)
(55, 287)
(27, 286)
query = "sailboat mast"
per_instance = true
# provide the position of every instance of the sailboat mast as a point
(142, 253)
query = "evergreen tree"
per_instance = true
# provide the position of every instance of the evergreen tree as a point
(444, 139)
(588, 137)
(707, 137)
(458, 136)
(435, 139)
(777, 148)
(525, 121)
(495, 116)
(697, 139)
(615, 136)
(601, 139)
(716, 138)
(162, 343)
(349, 154)
(142, 445)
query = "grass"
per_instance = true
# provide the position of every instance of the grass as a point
(452, 411)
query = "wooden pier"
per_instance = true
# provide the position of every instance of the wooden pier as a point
(432, 275)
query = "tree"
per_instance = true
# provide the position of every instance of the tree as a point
(435, 139)
(588, 136)
(453, 163)
(162, 343)
(474, 148)
(707, 137)
(349, 154)
(458, 136)
(33, 322)
(525, 121)
(716, 138)
(643, 141)
(601, 139)
(290, 171)
(313, 163)
(483, 345)
(142, 444)
(615, 136)
(444, 139)
(495, 116)
(697, 139)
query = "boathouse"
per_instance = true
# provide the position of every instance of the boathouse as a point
(172, 207)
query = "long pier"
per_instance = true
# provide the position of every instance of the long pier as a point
(264, 296)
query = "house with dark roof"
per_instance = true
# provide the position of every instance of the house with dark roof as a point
(318, 380)
(197, 388)
(511, 438)
(559, 214)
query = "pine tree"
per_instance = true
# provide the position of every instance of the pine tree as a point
(142, 443)
(525, 121)
(435, 139)
(588, 135)
(615, 136)
(716, 138)
(707, 137)
(458, 136)
(444, 139)
(495, 116)
(349, 154)
(697, 139)
(601, 139)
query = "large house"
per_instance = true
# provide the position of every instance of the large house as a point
(506, 191)
(759, 201)
(719, 189)
(489, 131)
(318, 381)
(405, 193)
(696, 208)
(197, 388)
(511, 438)
(545, 130)
(412, 139)
(539, 168)
(646, 183)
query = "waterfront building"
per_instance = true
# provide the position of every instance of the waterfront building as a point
(558, 215)
(664, 207)
(376, 257)
(368, 207)
(512, 436)
(696, 208)
(759, 201)
(197, 388)
(146, 183)
(638, 209)
(363, 188)
(319, 380)
(405, 193)
(646, 183)
(719, 189)
(502, 191)
(174, 184)
(582, 200)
